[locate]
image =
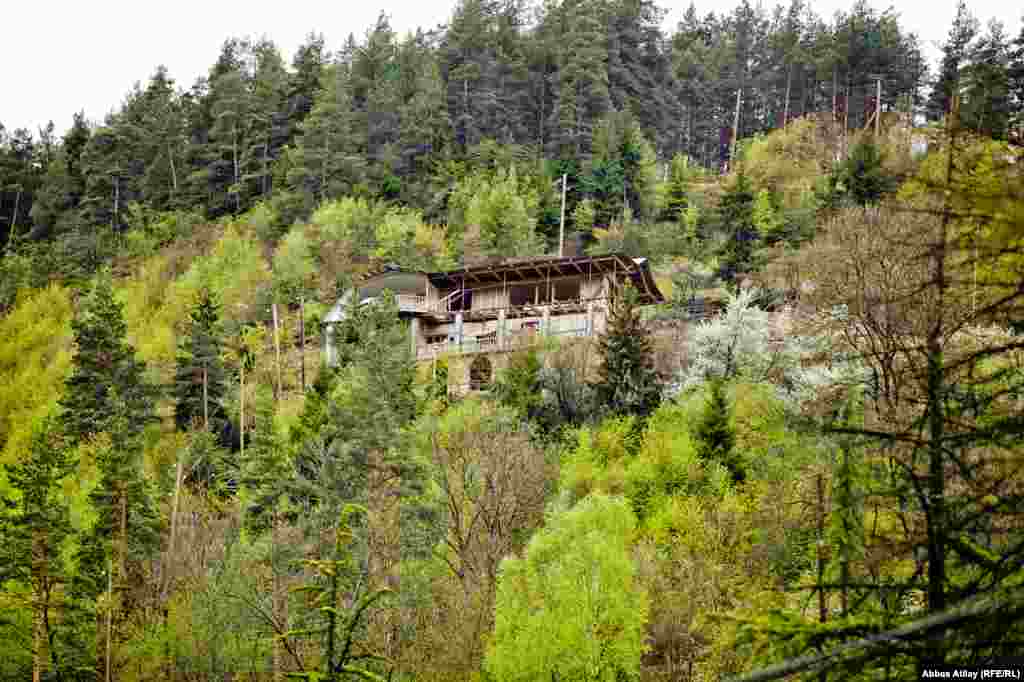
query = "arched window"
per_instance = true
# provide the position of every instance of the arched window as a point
(480, 373)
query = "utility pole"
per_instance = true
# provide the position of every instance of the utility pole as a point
(735, 127)
(878, 108)
(561, 223)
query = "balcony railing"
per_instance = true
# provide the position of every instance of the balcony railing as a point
(491, 343)
(411, 303)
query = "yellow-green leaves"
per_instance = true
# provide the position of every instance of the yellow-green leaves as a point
(35, 356)
(572, 608)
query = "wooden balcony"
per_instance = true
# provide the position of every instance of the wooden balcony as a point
(490, 343)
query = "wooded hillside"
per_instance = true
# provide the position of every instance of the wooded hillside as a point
(823, 478)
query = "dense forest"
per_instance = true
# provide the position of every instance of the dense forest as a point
(822, 478)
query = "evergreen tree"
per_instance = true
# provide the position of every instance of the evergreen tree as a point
(955, 53)
(676, 191)
(35, 528)
(266, 470)
(582, 94)
(860, 180)
(736, 212)
(105, 371)
(1016, 86)
(986, 106)
(200, 381)
(113, 552)
(55, 210)
(308, 65)
(627, 382)
(425, 128)
(326, 164)
(470, 69)
(717, 439)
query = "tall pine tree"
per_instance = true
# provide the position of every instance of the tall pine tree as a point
(105, 371)
(627, 382)
(200, 381)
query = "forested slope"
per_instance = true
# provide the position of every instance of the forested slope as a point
(186, 492)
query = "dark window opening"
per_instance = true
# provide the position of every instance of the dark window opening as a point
(480, 373)
(567, 290)
(462, 300)
(522, 294)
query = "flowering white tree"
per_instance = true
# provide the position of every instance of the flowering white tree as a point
(747, 342)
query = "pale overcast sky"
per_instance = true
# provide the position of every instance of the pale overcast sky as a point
(61, 56)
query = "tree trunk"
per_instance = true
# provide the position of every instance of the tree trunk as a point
(323, 166)
(110, 616)
(123, 530)
(789, 85)
(302, 342)
(241, 409)
(39, 604)
(277, 349)
(171, 542)
(206, 399)
(174, 172)
(14, 219)
(266, 171)
(936, 503)
(234, 155)
(280, 604)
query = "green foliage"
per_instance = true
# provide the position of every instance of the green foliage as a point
(766, 217)
(494, 213)
(294, 266)
(556, 613)
(598, 460)
(105, 370)
(787, 161)
(715, 433)
(263, 220)
(584, 216)
(404, 239)
(371, 403)
(125, 531)
(624, 169)
(675, 200)
(35, 350)
(736, 212)
(35, 536)
(266, 469)
(340, 628)
(518, 386)
(200, 379)
(860, 180)
(627, 382)
(349, 224)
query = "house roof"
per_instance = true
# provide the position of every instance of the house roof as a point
(521, 269)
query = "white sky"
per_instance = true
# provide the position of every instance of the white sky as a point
(61, 56)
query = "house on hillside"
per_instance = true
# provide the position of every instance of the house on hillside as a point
(482, 312)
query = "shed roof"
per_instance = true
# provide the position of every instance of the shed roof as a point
(520, 269)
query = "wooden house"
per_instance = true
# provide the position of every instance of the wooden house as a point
(494, 308)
